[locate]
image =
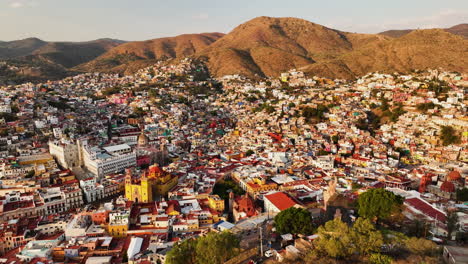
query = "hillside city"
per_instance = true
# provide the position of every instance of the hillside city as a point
(171, 165)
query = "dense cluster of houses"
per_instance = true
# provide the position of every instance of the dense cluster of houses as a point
(99, 168)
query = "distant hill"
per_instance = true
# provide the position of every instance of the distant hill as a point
(461, 30)
(267, 46)
(42, 60)
(18, 48)
(70, 54)
(67, 54)
(420, 49)
(136, 54)
(31, 68)
(263, 46)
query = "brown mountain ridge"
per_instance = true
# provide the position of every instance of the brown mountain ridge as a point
(267, 46)
(461, 30)
(131, 56)
(65, 54)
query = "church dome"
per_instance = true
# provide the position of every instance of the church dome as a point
(142, 139)
(447, 187)
(454, 176)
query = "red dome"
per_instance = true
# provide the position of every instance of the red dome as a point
(454, 176)
(155, 169)
(447, 187)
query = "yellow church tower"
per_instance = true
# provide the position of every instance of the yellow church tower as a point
(139, 192)
(145, 189)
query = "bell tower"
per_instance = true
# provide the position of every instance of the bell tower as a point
(128, 184)
(145, 191)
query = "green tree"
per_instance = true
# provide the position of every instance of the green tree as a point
(334, 240)
(452, 224)
(222, 189)
(315, 113)
(379, 203)
(397, 112)
(30, 174)
(14, 108)
(9, 117)
(418, 228)
(295, 221)
(183, 253)
(153, 93)
(216, 248)
(462, 194)
(449, 136)
(139, 112)
(420, 246)
(423, 107)
(378, 258)
(335, 138)
(125, 257)
(384, 104)
(366, 238)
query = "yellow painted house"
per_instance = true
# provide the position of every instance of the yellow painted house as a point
(216, 203)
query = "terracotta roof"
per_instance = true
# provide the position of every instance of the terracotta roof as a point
(426, 208)
(281, 200)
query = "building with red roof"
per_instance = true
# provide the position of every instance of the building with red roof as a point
(417, 208)
(243, 207)
(279, 201)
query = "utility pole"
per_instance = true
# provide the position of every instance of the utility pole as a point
(261, 241)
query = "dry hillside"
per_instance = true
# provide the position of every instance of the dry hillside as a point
(142, 53)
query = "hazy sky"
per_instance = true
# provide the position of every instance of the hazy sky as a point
(76, 20)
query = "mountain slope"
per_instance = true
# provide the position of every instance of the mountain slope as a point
(461, 30)
(70, 54)
(144, 52)
(267, 46)
(270, 45)
(41, 60)
(420, 49)
(18, 48)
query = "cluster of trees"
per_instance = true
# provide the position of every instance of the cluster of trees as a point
(439, 87)
(363, 241)
(138, 112)
(369, 123)
(249, 153)
(112, 90)
(338, 240)
(294, 221)
(449, 136)
(423, 107)
(462, 194)
(222, 189)
(315, 113)
(9, 117)
(215, 248)
(394, 113)
(59, 105)
(264, 107)
(379, 204)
